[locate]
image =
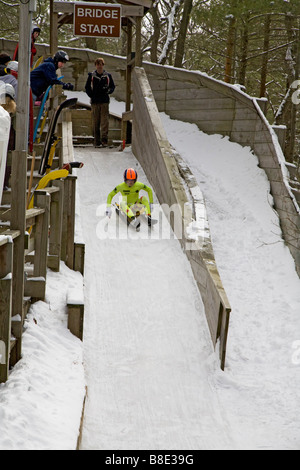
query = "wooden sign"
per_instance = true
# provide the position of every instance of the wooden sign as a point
(97, 20)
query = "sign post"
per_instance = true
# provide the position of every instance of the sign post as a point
(97, 20)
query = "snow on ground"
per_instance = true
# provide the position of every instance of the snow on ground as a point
(147, 346)
(260, 388)
(41, 403)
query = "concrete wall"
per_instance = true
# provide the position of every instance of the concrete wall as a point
(170, 177)
(215, 107)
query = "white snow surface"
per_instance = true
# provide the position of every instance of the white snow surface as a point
(41, 403)
(153, 378)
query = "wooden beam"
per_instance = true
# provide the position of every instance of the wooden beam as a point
(63, 7)
(24, 53)
(18, 223)
(6, 257)
(68, 228)
(79, 256)
(138, 43)
(144, 3)
(67, 8)
(56, 221)
(129, 66)
(35, 288)
(42, 200)
(53, 29)
(5, 326)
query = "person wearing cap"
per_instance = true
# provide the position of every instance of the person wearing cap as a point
(45, 74)
(98, 87)
(9, 74)
(132, 204)
(34, 35)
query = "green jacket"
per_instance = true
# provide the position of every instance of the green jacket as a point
(130, 195)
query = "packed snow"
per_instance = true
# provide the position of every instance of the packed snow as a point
(260, 388)
(152, 376)
(41, 403)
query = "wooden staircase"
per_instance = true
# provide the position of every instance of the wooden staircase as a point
(83, 131)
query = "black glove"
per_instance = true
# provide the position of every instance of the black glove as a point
(68, 86)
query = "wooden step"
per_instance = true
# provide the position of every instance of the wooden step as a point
(38, 163)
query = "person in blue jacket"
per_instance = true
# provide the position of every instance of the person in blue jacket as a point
(45, 75)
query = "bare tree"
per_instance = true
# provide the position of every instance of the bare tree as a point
(187, 9)
(170, 37)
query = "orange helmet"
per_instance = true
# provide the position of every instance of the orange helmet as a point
(130, 174)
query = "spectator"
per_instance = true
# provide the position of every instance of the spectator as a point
(99, 86)
(45, 75)
(9, 74)
(34, 35)
(11, 107)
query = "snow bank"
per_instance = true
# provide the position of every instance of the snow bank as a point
(41, 403)
(260, 388)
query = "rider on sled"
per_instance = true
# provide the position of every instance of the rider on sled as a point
(132, 204)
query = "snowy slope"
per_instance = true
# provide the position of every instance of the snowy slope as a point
(148, 351)
(255, 399)
(261, 385)
(41, 403)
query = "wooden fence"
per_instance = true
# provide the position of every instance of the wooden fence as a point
(25, 256)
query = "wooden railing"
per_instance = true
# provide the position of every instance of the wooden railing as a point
(6, 269)
(49, 239)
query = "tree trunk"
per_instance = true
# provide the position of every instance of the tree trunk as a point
(171, 26)
(293, 72)
(244, 51)
(91, 43)
(264, 67)
(156, 34)
(188, 5)
(230, 50)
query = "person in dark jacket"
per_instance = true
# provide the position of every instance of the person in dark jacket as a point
(45, 75)
(99, 86)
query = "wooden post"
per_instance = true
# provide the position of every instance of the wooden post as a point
(76, 319)
(53, 29)
(68, 231)
(79, 256)
(42, 200)
(19, 161)
(24, 53)
(138, 46)
(18, 222)
(56, 221)
(128, 77)
(6, 255)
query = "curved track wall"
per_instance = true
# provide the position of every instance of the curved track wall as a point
(170, 177)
